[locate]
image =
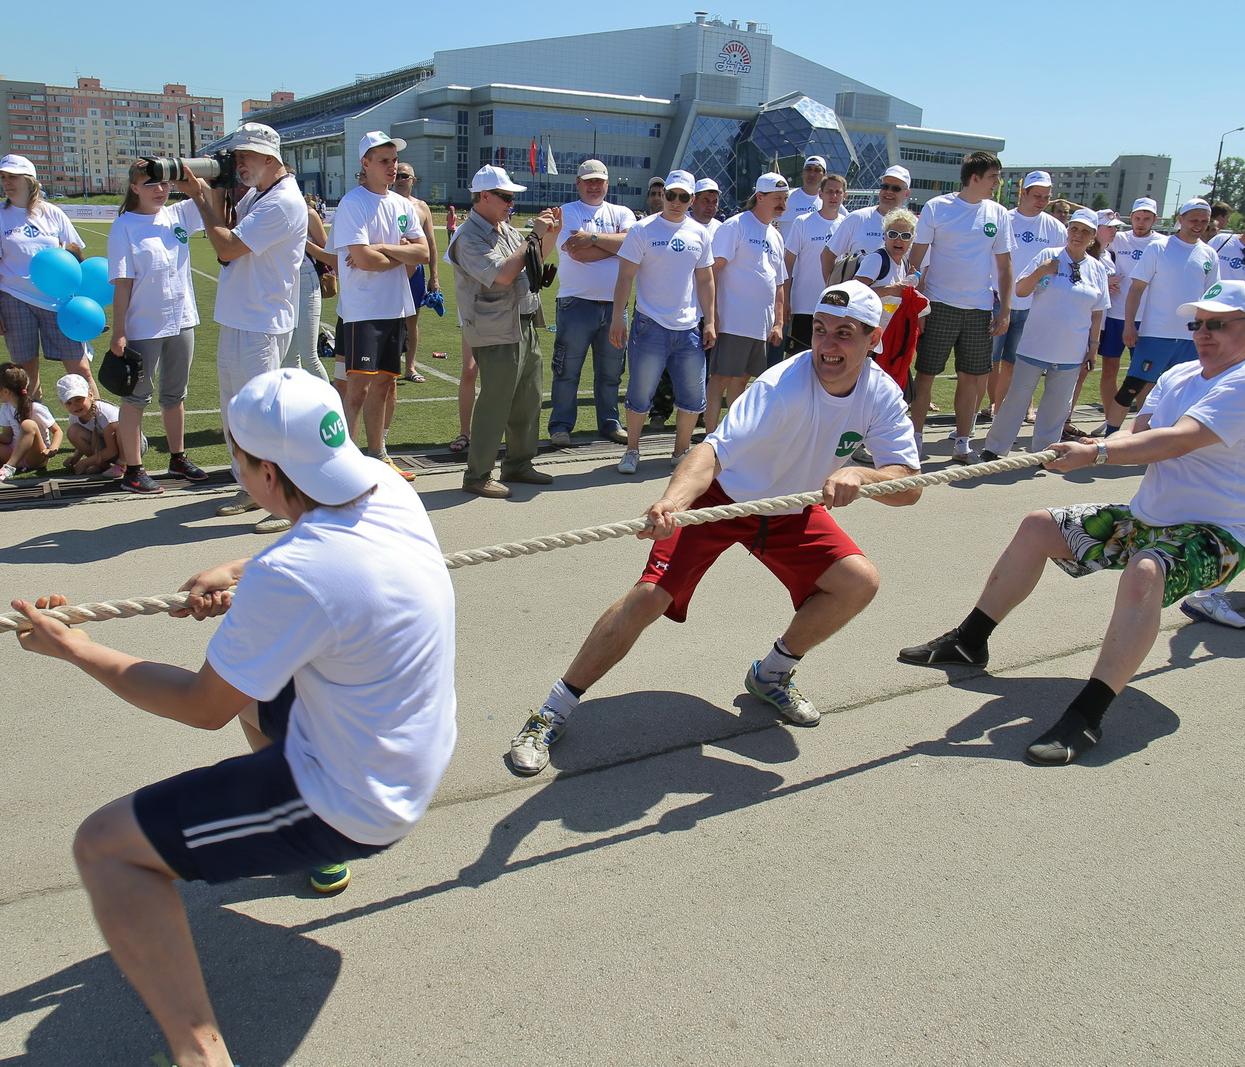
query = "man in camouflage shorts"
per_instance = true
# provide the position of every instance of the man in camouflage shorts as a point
(1183, 530)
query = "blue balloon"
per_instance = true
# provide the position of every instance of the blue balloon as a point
(81, 319)
(95, 284)
(55, 273)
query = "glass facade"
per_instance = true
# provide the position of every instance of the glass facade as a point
(873, 157)
(712, 152)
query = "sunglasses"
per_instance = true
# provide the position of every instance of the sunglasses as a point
(405, 178)
(1075, 272)
(679, 195)
(1212, 325)
(505, 197)
(888, 188)
(899, 235)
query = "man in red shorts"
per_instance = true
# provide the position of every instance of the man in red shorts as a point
(791, 431)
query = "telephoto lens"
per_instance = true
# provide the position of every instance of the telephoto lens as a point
(161, 169)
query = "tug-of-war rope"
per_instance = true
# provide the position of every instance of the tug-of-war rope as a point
(156, 605)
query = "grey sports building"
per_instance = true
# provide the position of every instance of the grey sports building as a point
(717, 98)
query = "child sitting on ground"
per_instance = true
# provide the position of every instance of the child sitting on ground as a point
(29, 436)
(92, 429)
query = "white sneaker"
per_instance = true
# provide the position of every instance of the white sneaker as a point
(629, 462)
(239, 505)
(529, 751)
(963, 452)
(792, 705)
(7, 471)
(1210, 605)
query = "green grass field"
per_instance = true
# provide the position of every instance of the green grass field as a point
(426, 415)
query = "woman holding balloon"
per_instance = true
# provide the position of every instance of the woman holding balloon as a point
(29, 315)
(154, 316)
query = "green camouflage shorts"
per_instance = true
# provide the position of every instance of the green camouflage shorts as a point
(1104, 537)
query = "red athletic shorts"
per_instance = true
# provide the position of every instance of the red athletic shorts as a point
(797, 549)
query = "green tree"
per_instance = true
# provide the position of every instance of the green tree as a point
(1231, 186)
(1100, 202)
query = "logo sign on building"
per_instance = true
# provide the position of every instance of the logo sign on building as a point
(734, 58)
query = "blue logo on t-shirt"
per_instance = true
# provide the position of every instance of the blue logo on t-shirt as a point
(30, 231)
(1136, 253)
(1236, 264)
(1028, 237)
(677, 245)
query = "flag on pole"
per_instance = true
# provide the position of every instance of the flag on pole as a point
(550, 166)
(531, 157)
(774, 168)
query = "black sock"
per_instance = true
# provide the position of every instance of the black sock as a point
(975, 631)
(177, 455)
(132, 470)
(575, 690)
(1092, 701)
(1112, 429)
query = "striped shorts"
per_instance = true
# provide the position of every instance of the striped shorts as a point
(243, 817)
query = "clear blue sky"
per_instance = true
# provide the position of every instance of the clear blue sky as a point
(1063, 83)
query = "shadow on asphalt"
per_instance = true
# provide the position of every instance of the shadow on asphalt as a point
(167, 527)
(655, 470)
(267, 983)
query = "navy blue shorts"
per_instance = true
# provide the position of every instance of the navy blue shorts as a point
(1111, 341)
(419, 287)
(242, 817)
(1152, 356)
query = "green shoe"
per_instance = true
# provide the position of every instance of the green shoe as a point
(332, 878)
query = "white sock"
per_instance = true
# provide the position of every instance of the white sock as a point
(778, 661)
(962, 443)
(561, 701)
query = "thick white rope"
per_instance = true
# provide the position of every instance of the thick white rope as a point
(155, 605)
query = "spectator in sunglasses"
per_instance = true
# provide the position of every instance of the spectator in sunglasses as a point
(862, 229)
(886, 270)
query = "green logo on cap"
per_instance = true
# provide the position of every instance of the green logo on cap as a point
(333, 430)
(1213, 292)
(990, 229)
(181, 234)
(403, 223)
(848, 443)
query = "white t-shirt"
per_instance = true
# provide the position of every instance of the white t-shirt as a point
(711, 227)
(964, 238)
(1231, 252)
(862, 231)
(596, 280)
(669, 255)
(105, 415)
(787, 435)
(806, 238)
(367, 218)
(40, 414)
(754, 270)
(1032, 235)
(355, 605)
(21, 238)
(258, 292)
(798, 203)
(872, 266)
(1176, 272)
(1057, 329)
(154, 250)
(1203, 485)
(1127, 248)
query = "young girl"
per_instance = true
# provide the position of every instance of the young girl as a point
(29, 436)
(92, 429)
(154, 315)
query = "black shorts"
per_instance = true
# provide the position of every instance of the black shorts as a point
(242, 817)
(372, 346)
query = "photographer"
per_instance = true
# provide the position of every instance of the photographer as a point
(154, 315)
(261, 255)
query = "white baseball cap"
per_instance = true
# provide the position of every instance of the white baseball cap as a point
(1085, 217)
(295, 420)
(377, 138)
(488, 179)
(898, 172)
(851, 300)
(1036, 177)
(707, 185)
(771, 183)
(1145, 203)
(12, 164)
(1107, 217)
(1220, 297)
(71, 385)
(681, 179)
(256, 137)
(1196, 204)
(593, 168)
(656, 179)
(815, 161)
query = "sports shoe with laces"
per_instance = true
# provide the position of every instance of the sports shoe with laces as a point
(239, 505)
(1212, 606)
(331, 878)
(141, 482)
(1070, 737)
(962, 452)
(272, 524)
(183, 467)
(529, 751)
(560, 439)
(782, 694)
(629, 462)
(945, 649)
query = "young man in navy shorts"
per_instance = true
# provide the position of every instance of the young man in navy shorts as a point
(336, 655)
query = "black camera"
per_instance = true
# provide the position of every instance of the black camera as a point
(218, 169)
